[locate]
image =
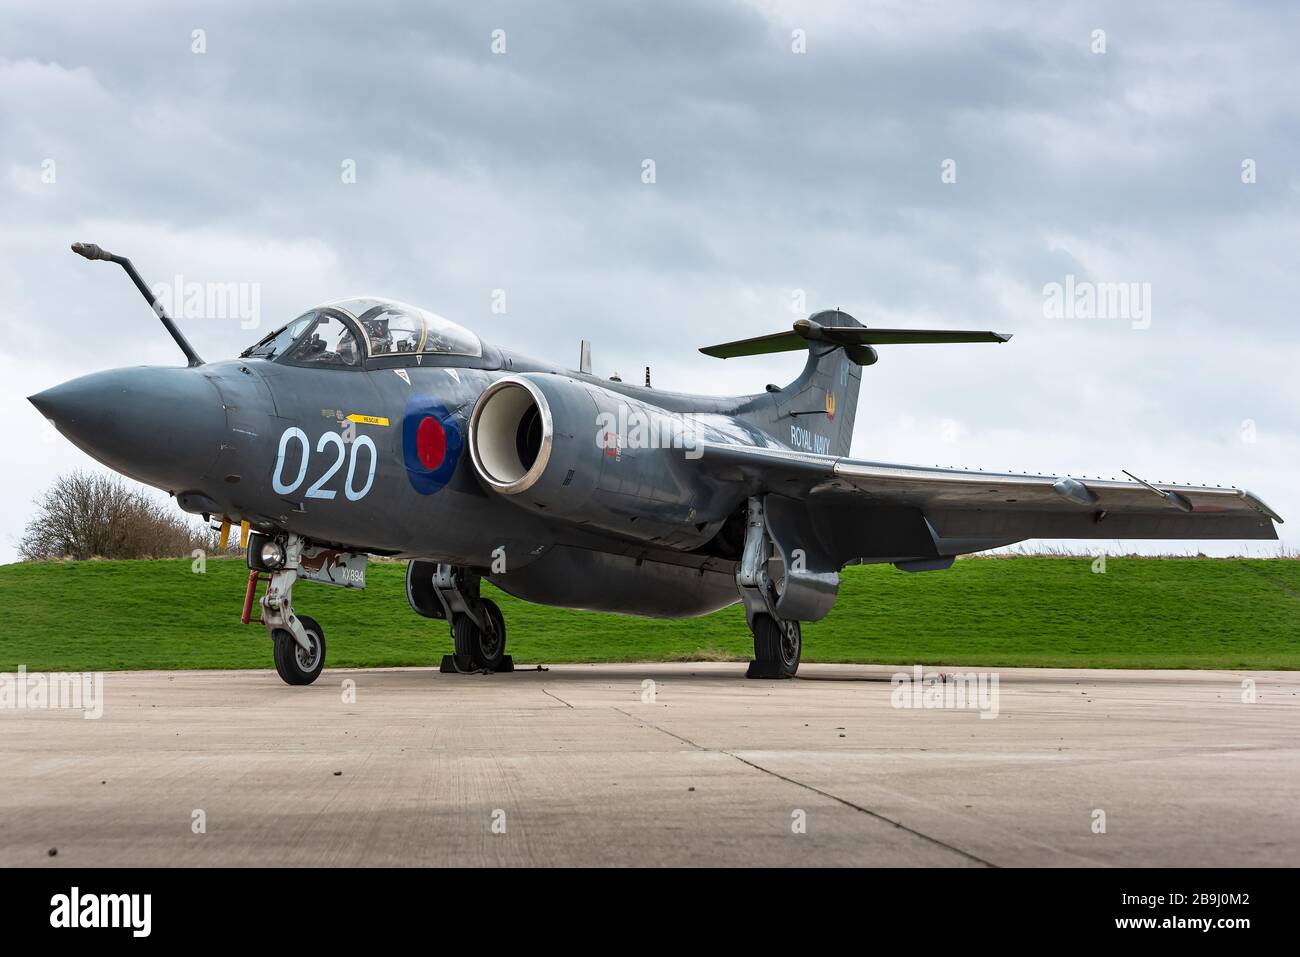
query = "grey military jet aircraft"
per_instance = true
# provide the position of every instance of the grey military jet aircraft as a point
(369, 427)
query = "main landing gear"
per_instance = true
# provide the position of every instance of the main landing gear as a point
(778, 643)
(478, 629)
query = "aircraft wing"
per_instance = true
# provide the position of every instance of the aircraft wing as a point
(971, 510)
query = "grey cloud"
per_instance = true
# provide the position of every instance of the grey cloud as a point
(775, 172)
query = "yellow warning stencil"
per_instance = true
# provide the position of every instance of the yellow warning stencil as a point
(367, 419)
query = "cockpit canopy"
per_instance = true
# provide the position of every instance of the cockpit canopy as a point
(328, 335)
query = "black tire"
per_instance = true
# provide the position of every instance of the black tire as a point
(492, 645)
(293, 665)
(777, 647)
(484, 650)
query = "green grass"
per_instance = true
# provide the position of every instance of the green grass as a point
(1032, 611)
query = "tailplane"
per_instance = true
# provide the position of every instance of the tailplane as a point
(819, 407)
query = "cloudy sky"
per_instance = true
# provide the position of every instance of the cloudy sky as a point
(917, 164)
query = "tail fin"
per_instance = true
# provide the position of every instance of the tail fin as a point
(816, 411)
(819, 407)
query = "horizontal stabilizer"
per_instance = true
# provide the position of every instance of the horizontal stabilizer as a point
(897, 337)
(760, 345)
(806, 330)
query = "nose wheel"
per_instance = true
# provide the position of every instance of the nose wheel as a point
(295, 664)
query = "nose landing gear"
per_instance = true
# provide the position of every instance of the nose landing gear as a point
(298, 641)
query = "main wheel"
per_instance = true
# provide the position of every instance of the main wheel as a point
(483, 648)
(777, 646)
(492, 644)
(295, 665)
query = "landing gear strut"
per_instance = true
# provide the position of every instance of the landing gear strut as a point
(778, 642)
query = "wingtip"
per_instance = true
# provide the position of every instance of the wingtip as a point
(1261, 506)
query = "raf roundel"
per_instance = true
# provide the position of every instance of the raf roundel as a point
(431, 444)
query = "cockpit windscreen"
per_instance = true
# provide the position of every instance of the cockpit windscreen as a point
(275, 344)
(322, 337)
(395, 328)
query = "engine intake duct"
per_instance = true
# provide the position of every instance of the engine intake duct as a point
(511, 434)
(557, 446)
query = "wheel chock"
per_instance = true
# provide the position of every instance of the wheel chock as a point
(453, 665)
(457, 665)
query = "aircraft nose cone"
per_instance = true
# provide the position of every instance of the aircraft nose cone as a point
(160, 426)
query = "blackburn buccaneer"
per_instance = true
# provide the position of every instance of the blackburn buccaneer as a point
(368, 427)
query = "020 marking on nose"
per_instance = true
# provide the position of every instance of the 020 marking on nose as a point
(346, 451)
